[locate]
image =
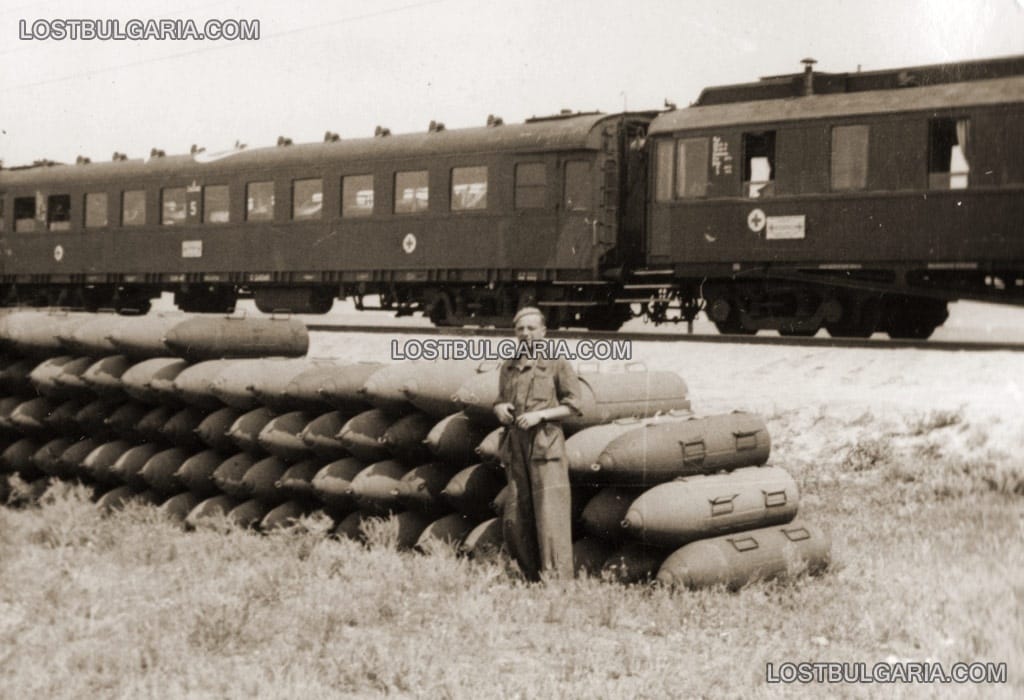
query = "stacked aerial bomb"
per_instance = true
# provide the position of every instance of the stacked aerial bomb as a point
(190, 413)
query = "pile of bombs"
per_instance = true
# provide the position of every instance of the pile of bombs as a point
(209, 417)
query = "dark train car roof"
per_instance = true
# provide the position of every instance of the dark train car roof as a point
(538, 135)
(876, 102)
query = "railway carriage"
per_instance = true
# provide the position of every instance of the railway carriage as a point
(860, 201)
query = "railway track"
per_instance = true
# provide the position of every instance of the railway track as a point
(882, 343)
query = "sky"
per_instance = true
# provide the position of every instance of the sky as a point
(348, 66)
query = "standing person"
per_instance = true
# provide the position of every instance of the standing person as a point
(534, 394)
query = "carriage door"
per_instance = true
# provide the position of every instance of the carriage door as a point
(577, 224)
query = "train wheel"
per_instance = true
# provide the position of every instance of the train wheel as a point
(860, 319)
(798, 332)
(907, 318)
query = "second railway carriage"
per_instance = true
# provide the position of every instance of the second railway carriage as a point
(860, 201)
(464, 225)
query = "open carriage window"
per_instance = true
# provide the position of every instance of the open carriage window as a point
(469, 188)
(948, 166)
(759, 164)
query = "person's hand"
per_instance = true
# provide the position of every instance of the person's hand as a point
(528, 420)
(504, 412)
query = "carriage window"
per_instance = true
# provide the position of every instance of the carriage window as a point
(24, 214)
(469, 188)
(850, 157)
(577, 185)
(357, 195)
(95, 209)
(215, 204)
(133, 208)
(58, 212)
(412, 193)
(531, 185)
(172, 206)
(663, 171)
(692, 168)
(759, 164)
(948, 167)
(259, 201)
(307, 199)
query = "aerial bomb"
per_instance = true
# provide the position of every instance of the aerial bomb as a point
(320, 435)
(589, 555)
(420, 488)
(248, 514)
(213, 430)
(472, 490)
(67, 381)
(633, 562)
(489, 449)
(260, 480)
(177, 508)
(484, 540)
(383, 387)
(333, 484)
(43, 374)
(30, 416)
(211, 337)
(91, 418)
(47, 457)
(737, 559)
(212, 509)
(141, 337)
(180, 428)
(121, 497)
(62, 418)
(196, 473)
(125, 419)
(477, 397)
(159, 471)
(104, 375)
(297, 481)
(100, 462)
(342, 386)
(409, 526)
(234, 386)
(582, 449)
(405, 438)
(151, 425)
(498, 502)
(245, 431)
(138, 379)
(697, 507)
(284, 515)
(92, 337)
(636, 392)
(454, 440)
(192, 385)
(269, 387)
(664, 451)
(303, 391)
(38, 333)
(14, 376)
(604, 513)
(376, 487)
(10, 431)
(128, 466)
(280, 436)
(362, 434)
(228, 476)
(433, 390)
(447, 530)
(351, 526)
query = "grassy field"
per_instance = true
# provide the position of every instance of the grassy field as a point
(928, 533)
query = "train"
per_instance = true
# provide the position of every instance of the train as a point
(857, 202)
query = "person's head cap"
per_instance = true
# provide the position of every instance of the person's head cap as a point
(528, 311)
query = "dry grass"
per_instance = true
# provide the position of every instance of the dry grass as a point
(925, 516)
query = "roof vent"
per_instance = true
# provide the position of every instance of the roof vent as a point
(284, 141)
(565, 111)
(118, 156)
(494, 121)
(435, 127)
(331, 137)
(156, 153)
(808, 76)
(907, 79)
(669, 105)
(196, 148)
(82, 160)
(382, 131)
